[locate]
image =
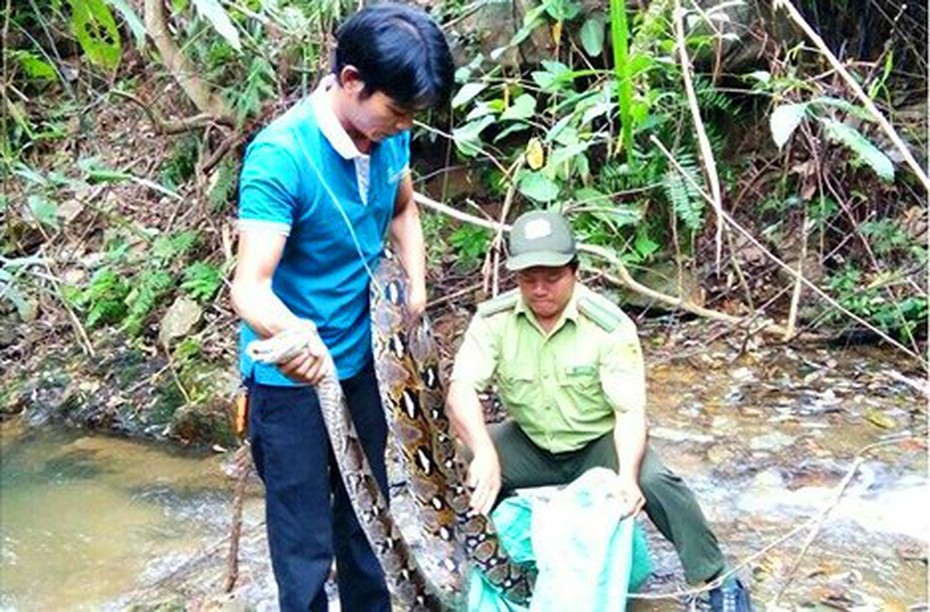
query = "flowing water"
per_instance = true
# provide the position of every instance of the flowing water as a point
(765, 440)
(86, 518)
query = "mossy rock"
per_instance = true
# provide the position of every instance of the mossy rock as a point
(12, 398)
(209, 423)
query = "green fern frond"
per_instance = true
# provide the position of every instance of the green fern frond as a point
(171, 247)
(224, 188)
(104, 298)
(686, 200)
(153, 285)
(710, 97)
(865, 151)
(259, 86)
(201, 280)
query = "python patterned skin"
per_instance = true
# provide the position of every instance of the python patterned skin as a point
(405, 578)
(407, 366)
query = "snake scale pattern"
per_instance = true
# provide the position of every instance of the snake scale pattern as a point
(407, 368)
(407, 365)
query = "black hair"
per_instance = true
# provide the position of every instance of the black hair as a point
(399, 51)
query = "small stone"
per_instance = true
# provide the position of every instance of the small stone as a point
(772, 442)
(180, 319)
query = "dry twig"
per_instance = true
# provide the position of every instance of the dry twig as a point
(243, 462)
(707, 154)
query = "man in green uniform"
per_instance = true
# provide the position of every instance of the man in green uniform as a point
(569, 369)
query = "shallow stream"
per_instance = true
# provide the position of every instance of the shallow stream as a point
(765, 439)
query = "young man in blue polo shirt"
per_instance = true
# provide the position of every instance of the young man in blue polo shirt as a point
(320, 188)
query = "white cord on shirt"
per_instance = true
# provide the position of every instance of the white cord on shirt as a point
(342, 212)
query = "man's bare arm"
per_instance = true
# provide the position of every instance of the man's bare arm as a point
(255, 301)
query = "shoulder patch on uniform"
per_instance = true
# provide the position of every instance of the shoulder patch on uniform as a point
(505, 301)
(602, 311)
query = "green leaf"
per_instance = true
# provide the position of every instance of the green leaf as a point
(94, 27)
(532, 20)
(513, 128)
(785, 120)
(556, 76)
(562, 10)
(467, 138)
(480, 110)
(34, 66)
(31, 175)
(640, 63)
(563, 154)
(556, 130)
(864, 150)
(643, 244)
(852, 109)
(44, 210)
(538, 187)
(596, 110)
(132, 21)
(214, 12)
(620, 42)
(467, 92)
(522, 108)
(760, 76)
(97, 173)
(544, 80)
(592, 35)
(567, 137)
(589, 196)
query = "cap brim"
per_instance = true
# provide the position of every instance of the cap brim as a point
(531, 260)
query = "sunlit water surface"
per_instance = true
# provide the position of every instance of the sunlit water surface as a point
(85, 518)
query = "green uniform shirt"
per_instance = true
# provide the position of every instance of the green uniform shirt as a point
(562, 388)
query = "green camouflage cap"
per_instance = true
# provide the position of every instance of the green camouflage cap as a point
(540, 238)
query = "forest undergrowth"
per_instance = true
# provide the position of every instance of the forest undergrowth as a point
(761, 166)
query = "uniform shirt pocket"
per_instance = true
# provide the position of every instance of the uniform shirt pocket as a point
(580, 378)
(518, 384)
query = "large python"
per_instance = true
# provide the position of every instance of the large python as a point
(407, 367)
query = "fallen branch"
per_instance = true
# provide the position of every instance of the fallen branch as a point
(243, 462)
(168, 126)
(156, 25)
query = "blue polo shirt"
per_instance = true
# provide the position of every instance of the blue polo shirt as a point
(321, 275)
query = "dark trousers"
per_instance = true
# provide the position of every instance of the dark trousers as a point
(308, 513)
(670, 504)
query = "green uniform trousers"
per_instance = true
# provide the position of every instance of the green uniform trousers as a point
(670, 505)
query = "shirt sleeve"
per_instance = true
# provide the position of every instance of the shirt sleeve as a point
(622, 371)
(476, 360)
(268, 189)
